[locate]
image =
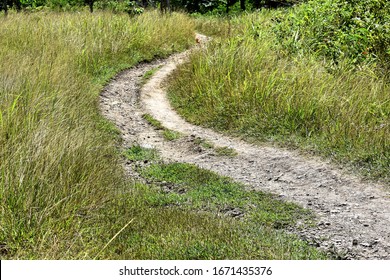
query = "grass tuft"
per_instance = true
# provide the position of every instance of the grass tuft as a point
(138, 153)
(153, 122)
(168, 134)
(225, 151)
(146, 77)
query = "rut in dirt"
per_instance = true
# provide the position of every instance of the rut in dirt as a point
(353, 216)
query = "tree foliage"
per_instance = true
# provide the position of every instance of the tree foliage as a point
(136, 6)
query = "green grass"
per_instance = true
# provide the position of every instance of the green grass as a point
(245, 84)
(203, 143)
(153, 122)
(168, 134)
(148, 74)
(137, 153)
(63, 192)
(214, 27)
(59, 162)
(204, 190)
(225, 151)
(195, 213)
(169, 232)
(171, 135)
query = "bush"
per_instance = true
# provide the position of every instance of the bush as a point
(357, 30)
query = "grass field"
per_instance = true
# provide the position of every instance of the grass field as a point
(59, 161)
(246, 83)
(63, 193)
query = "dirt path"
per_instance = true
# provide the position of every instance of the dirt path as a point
(353, 216)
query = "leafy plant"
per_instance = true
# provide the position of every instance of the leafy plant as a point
(357, 30)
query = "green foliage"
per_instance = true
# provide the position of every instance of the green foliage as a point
(357, 30)
(38, 3)
(54, 4)
(133, 9)
(119, 6)
(116, 6)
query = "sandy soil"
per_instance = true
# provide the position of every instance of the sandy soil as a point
(353, 216)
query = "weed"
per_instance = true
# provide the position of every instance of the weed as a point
(219, 151)
(207, 190)
(203, 143)
(260, 215)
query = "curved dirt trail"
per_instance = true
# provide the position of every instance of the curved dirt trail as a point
(353, 216)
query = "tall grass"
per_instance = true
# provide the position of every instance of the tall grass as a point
(58, 157)
(63, 194)
(245, 84)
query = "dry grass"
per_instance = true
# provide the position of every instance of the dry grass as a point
(59, 161)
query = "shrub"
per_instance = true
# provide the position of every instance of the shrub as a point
(357, 30)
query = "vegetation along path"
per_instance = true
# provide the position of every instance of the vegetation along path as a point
(353, 216)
